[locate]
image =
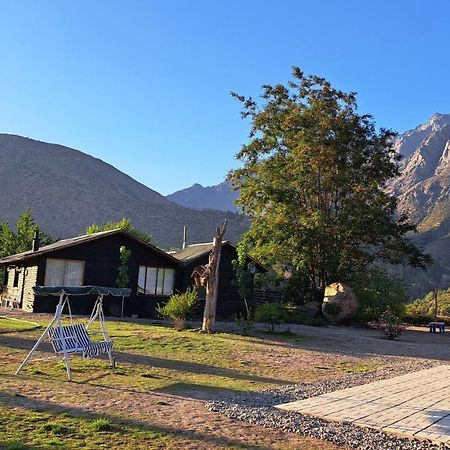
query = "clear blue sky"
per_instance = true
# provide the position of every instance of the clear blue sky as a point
(144, 85)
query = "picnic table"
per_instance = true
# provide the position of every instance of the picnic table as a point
(434, 326)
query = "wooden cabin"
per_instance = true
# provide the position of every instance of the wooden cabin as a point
(93, 260)
(229, 302)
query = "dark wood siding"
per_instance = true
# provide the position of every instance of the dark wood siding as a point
(102, 260)
(229, 302)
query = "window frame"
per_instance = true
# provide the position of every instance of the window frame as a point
(16, 278)
(65, 261)
(154, 292)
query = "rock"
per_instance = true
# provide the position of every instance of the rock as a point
(310, 309)
(339, 302)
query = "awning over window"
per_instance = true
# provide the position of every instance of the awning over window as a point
(81, 290)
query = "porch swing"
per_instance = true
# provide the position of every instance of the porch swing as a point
(75, 338)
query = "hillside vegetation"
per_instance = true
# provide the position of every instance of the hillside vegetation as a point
(425, 306)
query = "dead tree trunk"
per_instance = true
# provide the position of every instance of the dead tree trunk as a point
(208, 276)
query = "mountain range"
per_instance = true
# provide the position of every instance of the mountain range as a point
(219, 196)
(67, 190)
(423, 191)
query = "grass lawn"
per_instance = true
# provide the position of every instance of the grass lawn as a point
(8, 324)
(153, 399)
(62, 431)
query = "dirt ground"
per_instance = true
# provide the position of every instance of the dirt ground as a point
(186, 418)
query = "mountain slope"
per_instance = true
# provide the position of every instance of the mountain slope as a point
(423, 190)
(219, 197)
(67, 190)
(424, 186)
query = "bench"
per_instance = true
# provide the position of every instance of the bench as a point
(10, 301)
(75, 339)
(433, 326)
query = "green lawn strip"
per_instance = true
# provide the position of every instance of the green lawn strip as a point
(21, 428)
(11, 324)
(146, 378)
(159, 358)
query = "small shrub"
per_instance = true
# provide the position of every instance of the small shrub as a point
(101, 424)
(177, 307)
(244, 322)
(272, 314)
(54, 428)
(389, 325)
(301, 319)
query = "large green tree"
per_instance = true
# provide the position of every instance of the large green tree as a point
(312, 179)
(21, 239)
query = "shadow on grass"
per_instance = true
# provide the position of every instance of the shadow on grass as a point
(201, 436)
(197, 391)
(342, 341)
(152, 361)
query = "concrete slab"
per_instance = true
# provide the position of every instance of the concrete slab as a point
(414, 405)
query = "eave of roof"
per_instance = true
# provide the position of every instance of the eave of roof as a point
(78, 240)
(195, 251)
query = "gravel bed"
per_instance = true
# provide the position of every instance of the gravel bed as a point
(257, 408)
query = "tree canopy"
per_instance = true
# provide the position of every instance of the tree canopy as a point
(123, 224)
(312, 179)
(20, 240)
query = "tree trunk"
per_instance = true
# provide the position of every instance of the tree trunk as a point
(212, 287)
(212, 282)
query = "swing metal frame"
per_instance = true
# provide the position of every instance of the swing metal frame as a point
(56, 323)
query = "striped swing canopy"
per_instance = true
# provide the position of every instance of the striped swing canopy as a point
(81, 290)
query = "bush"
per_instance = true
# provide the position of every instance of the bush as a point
(54, 428)
(272, 314)
(101, 424)
(389, 325)
(376, 292)
(244, 322)
(302, 319)
(177, 307)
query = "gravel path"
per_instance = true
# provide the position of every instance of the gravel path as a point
(257, 408)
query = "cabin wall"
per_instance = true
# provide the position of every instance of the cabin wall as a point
(26, 279)
(102, 261)
(229, 303)
(11, 289)
(27, 293)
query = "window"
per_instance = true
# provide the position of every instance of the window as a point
(16, 278)
(155, 280)
(64, 272)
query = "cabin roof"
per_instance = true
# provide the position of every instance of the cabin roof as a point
(195, 251)
(78, 240)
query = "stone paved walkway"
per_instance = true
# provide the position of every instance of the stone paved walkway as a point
(416, 404)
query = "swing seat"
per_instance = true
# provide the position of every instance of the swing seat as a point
(75, 339)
